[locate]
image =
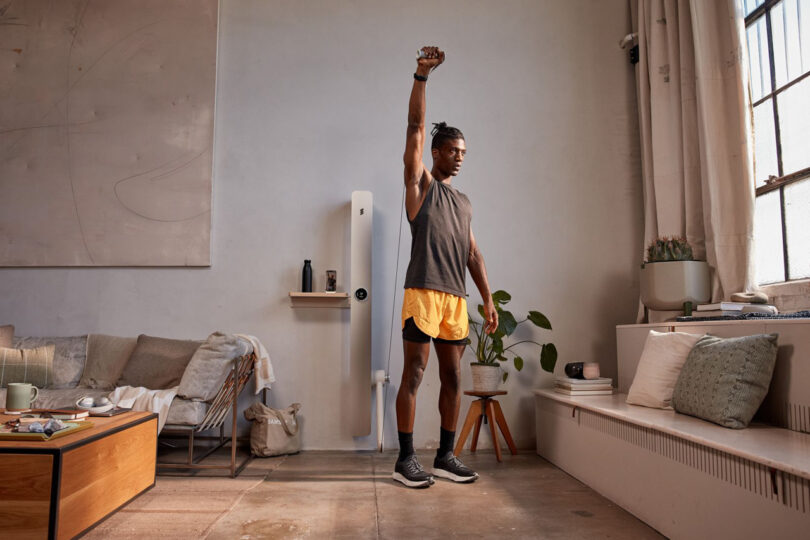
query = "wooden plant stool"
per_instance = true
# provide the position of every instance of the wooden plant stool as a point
(486, 410)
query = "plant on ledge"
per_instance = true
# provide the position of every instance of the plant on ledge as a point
(665, 248)
(671, 278)
(490, 349)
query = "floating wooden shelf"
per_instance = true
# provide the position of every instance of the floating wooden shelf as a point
(319, 299)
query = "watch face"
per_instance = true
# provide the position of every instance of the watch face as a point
(361, 294)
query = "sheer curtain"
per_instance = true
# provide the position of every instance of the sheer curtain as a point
(695, 120)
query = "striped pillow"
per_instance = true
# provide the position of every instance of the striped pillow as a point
(33, 366)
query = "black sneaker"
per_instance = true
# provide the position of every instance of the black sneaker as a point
(450, 467)
(410, 472)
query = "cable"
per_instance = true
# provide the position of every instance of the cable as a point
(393, 310)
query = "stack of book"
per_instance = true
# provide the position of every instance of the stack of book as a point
(726, 309)
(603, 386)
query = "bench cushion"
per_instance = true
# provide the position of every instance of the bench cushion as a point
(658, 368)
(724, 380)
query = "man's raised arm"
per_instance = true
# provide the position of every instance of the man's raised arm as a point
(429, 60)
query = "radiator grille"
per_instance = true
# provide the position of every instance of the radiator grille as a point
(788, 489)
(790, 415)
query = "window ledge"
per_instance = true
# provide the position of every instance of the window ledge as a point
(790, 295)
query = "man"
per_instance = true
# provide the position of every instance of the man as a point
(443, 248)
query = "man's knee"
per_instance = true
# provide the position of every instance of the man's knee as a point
(412, 378)
(450, 377)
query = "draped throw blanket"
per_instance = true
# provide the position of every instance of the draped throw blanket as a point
(139, 398)
(694, 116)
(263, 374)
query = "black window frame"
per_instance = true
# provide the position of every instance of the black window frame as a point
(783, 179)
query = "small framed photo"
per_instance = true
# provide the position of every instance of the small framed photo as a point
(331, 280)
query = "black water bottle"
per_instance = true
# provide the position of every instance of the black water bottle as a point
(306, 282)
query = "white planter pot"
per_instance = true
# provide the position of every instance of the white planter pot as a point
(667, 285)
(485, 378)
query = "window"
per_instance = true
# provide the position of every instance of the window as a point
(778, 40)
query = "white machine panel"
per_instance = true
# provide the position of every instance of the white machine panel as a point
(360, 326)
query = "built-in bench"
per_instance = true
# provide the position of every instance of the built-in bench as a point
(686, 477)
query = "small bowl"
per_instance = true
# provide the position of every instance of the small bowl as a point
(81, 403)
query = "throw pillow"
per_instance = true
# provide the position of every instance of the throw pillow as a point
(6, 335)
(33, 366)
(68, 357)
(658, 368)
(210, 366)
(106, 358)
(157, 363)
(725, 380)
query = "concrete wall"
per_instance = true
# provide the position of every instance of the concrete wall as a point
(311, 105)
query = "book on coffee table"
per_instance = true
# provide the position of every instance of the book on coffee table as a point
(112, 412)
(61, 414)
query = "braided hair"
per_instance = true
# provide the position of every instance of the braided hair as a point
(442, 132)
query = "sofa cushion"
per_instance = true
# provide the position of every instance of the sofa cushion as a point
(209, 366)
(725, 380)
(68, 357)
(658, 368)
(106, 358)
(33, 366)
(7, 335)
(185, 412)
(157, 363)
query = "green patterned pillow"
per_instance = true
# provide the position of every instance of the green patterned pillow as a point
(33, 366)
(724, 380)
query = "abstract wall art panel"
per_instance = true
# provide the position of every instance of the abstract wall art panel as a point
(106, 132)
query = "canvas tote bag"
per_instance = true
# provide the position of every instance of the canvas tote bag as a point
(274, 432)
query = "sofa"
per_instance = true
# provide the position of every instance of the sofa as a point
(207, 375)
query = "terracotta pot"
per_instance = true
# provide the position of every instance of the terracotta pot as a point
(486, 378)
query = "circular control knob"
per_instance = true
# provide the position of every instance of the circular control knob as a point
(361, 294)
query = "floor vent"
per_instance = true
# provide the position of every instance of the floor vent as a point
(791, 490)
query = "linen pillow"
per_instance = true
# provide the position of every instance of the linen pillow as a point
(33, 366)
(210, 364)
(106, 358)
(658, 368)
(6, 335)
(725, 380)
(157, 363)
(68, 357)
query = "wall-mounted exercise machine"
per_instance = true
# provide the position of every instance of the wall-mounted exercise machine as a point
(360, 314)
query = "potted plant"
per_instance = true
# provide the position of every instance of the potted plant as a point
(490, 349)
(671, 277)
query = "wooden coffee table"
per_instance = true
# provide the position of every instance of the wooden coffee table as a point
(63, 487)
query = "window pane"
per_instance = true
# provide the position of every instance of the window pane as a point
(765, 163)
(804, 33)
(794, 123)
(751, 5)
(797, 224)
(757, 36)
(768, 239)
(787, 49)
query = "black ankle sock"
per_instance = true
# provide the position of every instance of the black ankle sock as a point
(446, 442)
(405, 444)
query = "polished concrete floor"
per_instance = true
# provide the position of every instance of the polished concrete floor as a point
(351, 495)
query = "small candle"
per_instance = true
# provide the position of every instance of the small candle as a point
(590, 370)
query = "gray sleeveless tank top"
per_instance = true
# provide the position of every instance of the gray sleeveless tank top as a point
(440, 241)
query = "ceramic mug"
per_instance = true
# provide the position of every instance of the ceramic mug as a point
(20, 396)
